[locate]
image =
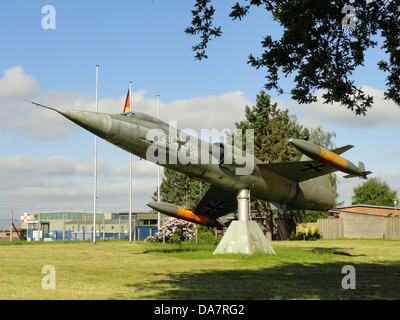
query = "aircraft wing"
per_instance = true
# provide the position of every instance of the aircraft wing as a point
(296, 171)
(216, 203)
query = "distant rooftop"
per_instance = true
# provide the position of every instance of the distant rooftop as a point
(365, 206)
(368, 209)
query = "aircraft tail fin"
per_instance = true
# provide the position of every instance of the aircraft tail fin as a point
(361, 168)
(364, 172)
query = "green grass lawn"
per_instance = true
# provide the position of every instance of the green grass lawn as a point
(119, 270)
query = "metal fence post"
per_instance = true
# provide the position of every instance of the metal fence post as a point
(11, 226)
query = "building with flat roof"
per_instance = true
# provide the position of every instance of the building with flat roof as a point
(59, 225)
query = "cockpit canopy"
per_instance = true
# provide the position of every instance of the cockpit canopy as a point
(128, 114)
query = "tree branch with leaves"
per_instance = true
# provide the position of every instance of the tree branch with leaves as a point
(315, 48)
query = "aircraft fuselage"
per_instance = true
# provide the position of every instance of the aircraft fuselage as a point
(149, 138)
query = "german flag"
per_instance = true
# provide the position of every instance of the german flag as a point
(127, 103)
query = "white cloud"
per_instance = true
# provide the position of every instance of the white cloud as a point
(16, 115)
(393, 180)
(16, 84)
(345, 188)
(383, 112)
(26, 167)
(77, 196)
(218, 112)
(55, 165)
(141, 168)
(57, 183)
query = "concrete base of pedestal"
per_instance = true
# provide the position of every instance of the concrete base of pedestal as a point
(244, 237)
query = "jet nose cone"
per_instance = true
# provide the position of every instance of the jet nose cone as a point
(97, 123)
(152, 205)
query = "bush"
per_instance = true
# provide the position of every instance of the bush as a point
(150, 239)
(206, 235)
(309, 235)
(176, 231)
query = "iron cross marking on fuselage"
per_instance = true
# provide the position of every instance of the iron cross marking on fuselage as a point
(180, 143)
(315, 168)
(214, 206)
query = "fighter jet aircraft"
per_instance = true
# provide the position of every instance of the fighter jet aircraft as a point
(293, 185)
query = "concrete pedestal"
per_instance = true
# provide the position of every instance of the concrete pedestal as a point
(244, 237)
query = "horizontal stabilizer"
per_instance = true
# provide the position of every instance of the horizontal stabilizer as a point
(363, 173)
(350, 176)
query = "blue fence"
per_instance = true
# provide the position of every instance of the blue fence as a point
(143, 233)
(140, 234)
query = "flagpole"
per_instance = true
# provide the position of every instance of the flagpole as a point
(95, 160)
(130, 172)
(158, 172)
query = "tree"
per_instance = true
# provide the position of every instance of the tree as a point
(272, 128)
(320, 46)
(374, 192)
(180, 189)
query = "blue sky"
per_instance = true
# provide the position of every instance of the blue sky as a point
(46, 163)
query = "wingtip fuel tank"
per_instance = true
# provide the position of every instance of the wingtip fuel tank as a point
(175, 211)
(329, 158)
